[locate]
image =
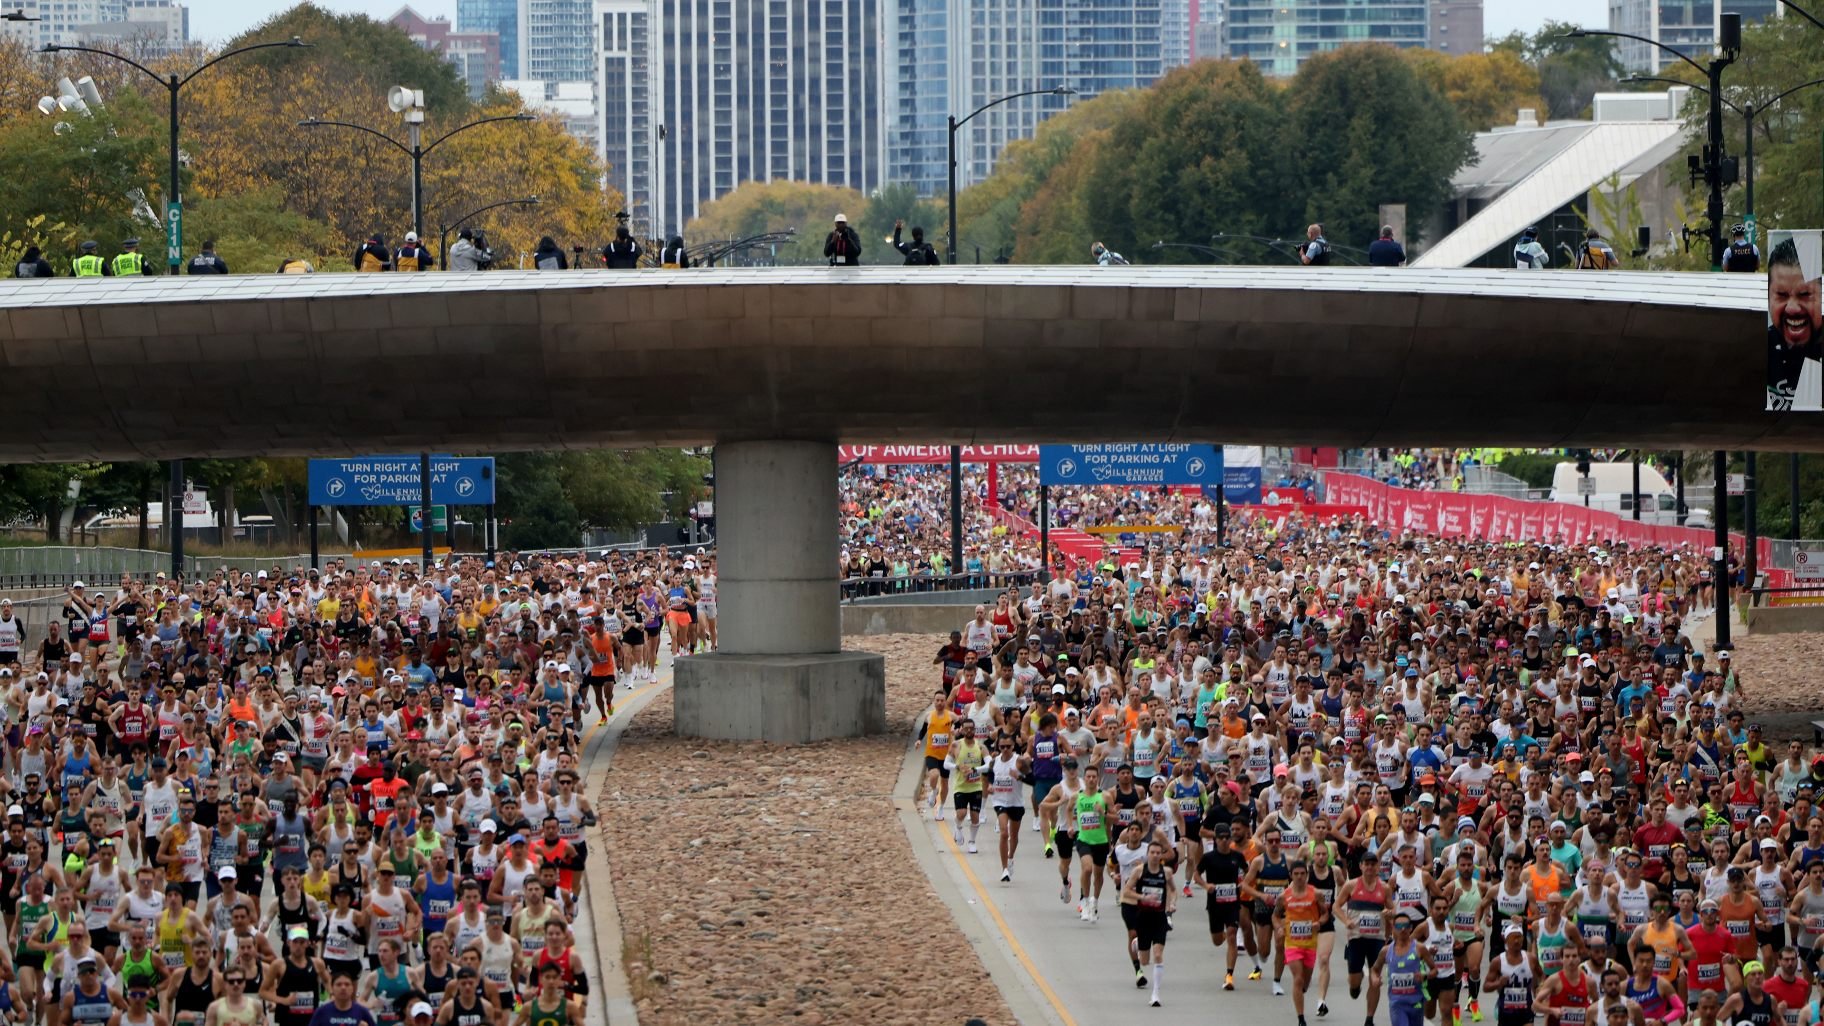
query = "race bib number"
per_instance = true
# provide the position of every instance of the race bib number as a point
(1225, 892)
(1302, 930)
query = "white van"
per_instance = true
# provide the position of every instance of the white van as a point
(1614, 492)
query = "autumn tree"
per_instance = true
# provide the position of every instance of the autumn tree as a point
(754, 208)
(1487, 89)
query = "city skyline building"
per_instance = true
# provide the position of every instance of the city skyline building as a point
(500, 17)
(475, 54)
(1688, 26)
(625, 131)
(1280, 35)
(1003, 47)
(157, 26)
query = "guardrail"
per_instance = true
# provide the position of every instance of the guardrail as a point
(1796, 594)
(873, 587)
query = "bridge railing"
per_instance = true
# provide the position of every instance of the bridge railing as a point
(857, 588)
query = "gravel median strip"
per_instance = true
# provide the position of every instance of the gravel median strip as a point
(768, 884)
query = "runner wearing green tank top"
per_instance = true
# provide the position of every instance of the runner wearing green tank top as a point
(550, 1007)
(1092, 841)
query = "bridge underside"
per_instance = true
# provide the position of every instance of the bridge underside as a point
(326, 364)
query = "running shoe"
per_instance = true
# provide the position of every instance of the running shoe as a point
(1048, 849)
(937, 813)
(1228, 980)
(1006, 875)
(1456, 1017)
(971, 846)
(1035, 825)
(1278, 991)
(1083, 911)
(1155, 1002)
(1139, 977)
(1064, 894)
(1095, 914)
(1475, 1009)
(1323, 1009)
(1254, 974)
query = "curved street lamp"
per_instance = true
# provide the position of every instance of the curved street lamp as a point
(411, 103)
(1749, 110)
(709, 257)
(173, 84)
(956, 123)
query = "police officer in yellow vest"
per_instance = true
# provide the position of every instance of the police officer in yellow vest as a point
(89, 264)
(129, 262)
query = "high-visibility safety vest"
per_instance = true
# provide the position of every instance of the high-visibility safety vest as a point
(88, 266)
(128, 264)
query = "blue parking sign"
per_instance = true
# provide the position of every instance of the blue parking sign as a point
(394, 481)
(1131, 464)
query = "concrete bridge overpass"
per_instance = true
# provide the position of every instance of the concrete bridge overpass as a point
(323, 364)
(777, 366)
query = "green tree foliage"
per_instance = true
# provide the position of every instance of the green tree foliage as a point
(623, 489)
(82, 177)
(755, 208)
(1369, 132)
(534, 511)
(1571, 70)
(1487, 89)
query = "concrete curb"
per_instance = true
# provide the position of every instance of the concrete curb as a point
(1015, 983)
(604, 912)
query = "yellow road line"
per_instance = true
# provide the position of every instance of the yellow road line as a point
(619, 704)
(1013, 943)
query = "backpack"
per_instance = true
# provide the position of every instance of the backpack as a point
(407, 260)
(1593, 258)
(370, 262)
(924, 255)
(1523, 258)
(548, 261)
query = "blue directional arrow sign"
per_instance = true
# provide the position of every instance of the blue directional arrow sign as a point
(394, 481)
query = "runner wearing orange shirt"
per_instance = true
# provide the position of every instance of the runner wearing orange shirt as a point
(1296, 915)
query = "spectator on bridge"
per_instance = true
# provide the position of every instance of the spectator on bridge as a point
(1528, 254)
(296, 265)
(89, 264)
(548, 257)
(1316, 251)
(412, 256)
(673, 256)
(129, 262)
(1104, 256)
(918, 252)
(373, 257)
(465, 255)
(206, 262)
(1386, 251)
(32, 264)
(622, 254)
(1595, 254)
(842, 245)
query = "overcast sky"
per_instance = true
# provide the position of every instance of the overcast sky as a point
(215, 20)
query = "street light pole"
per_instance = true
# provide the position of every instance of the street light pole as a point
(415, 152)
(952, 125)
(1729, 45)
(174, 227)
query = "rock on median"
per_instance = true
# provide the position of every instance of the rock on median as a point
(769, 884)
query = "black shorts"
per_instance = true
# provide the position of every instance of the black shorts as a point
(9, 658)
(967, 800)
(1772, 936)
(635, 637)
(1014, 813)
(1224, 915)
(104, 938)
(1361, 952)
(1148, 925)
(193, 891)
(1064, 842)
(1440, 984)
(932, 762)
(344, 966)
(1096, 852)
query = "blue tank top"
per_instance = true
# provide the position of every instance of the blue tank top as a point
(75, 771)
(439, 900)
(387, 992)
(1403, 977)
(1045, 764)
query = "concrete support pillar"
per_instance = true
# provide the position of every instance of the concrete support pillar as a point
(781, 674)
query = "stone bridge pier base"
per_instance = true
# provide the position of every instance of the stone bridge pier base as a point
(781, 674)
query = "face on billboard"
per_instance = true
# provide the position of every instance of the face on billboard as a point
(1795, 321)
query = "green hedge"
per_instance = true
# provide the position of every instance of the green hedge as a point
(1535, 469)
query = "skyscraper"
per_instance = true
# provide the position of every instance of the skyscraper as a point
(623, 102)
(475, 54)
(756, 90)
(500, 17)
(1688, 26)
(950, 57)
(1280, 35)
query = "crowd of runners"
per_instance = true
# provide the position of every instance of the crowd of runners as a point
(1498, 777)
(289, 797)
